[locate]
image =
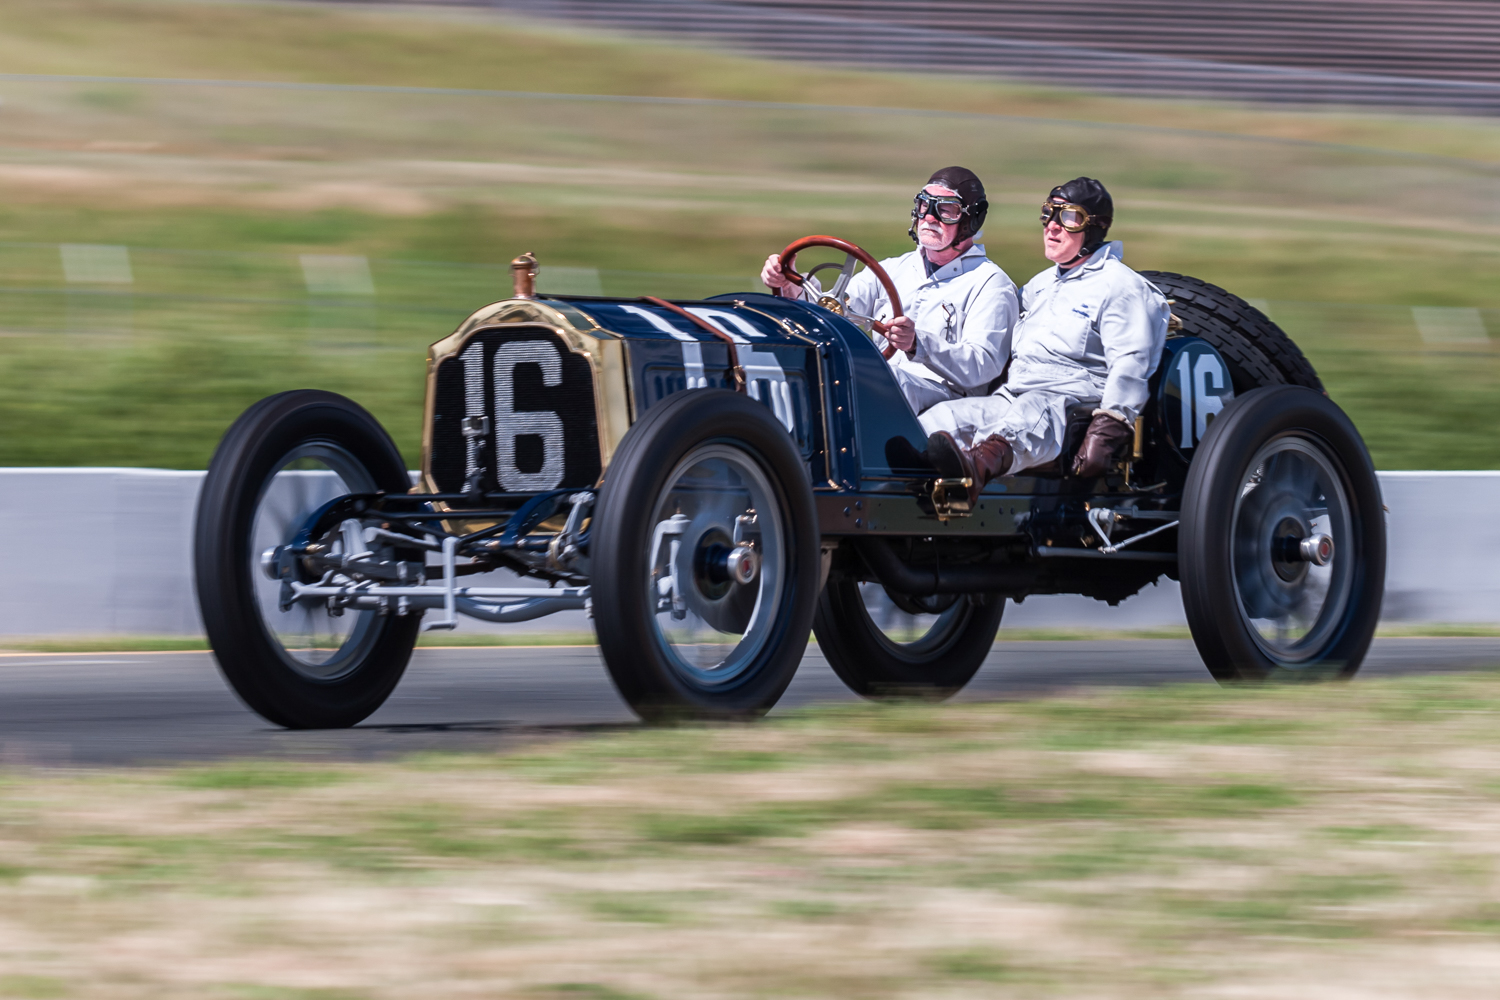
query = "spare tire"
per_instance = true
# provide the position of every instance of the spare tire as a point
(1259, 352)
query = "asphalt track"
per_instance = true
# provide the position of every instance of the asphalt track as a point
(94, 710)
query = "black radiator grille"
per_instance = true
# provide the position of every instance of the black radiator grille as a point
(544, 436)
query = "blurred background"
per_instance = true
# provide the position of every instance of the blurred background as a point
(205, 202)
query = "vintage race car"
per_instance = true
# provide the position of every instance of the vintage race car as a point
(714, 480)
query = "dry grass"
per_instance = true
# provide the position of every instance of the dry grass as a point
(437, 48)
(1182, 842)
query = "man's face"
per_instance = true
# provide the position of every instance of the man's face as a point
(1057, 243)
(932, 234)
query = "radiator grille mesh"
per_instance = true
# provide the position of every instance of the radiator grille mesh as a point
(546, 438)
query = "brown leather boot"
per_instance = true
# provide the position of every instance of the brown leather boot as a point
(989, 458)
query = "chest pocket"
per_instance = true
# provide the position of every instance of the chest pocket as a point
(947, 316)
(935, 314)
(1076, 327)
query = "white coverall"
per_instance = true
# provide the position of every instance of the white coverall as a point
(1093, 334)
(963, 316)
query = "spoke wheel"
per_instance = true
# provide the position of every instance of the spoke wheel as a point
(711, 626)
(1292, 494)
(305, 666)
(312, 639)
(705, 559)
(1282, 549)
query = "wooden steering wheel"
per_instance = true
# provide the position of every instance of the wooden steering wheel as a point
(833, 299)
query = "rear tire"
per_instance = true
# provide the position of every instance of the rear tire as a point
(1279, 465)
(281, 460)
(700, 473)
(934, 665)
(1258, 351)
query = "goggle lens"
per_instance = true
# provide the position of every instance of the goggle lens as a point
(947, 210)
(1073, 218)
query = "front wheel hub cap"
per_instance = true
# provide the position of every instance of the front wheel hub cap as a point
(1316, 549)
(743, 565)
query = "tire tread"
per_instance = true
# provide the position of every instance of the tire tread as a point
(1236, 329)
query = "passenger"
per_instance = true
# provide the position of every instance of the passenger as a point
(1091, 331)
(959, 306)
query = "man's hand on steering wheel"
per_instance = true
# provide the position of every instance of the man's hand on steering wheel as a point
(776, 281)
(902, 333)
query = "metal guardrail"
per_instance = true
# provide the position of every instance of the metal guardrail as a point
(1398, 53)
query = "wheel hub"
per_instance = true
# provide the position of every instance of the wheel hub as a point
(711, 564)
(1286, 549)
(720, 575)
(1291, 520)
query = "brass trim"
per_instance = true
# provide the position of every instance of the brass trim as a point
(947, 505)
(789, 327)
(523, 275)
(604, 350)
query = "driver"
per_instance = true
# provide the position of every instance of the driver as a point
(960, 307)
(1092, 332)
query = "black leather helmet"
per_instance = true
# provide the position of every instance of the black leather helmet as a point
(970, 190)
(1091, 195)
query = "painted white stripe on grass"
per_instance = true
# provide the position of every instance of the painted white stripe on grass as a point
(96, 264)
(552, 280)
(1445, 325)
(337, 274)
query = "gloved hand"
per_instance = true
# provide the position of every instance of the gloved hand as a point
(1103, 446)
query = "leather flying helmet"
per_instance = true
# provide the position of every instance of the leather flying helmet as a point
(973, 206)
(1091, 196)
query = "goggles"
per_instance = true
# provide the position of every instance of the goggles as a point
(1073, 218)
(945, 208)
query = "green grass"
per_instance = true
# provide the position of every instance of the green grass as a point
(1439, 630)
(1340, 221)
(589, 991)
(255, 775)
(983, 966)
(37, 987)
(104, 644)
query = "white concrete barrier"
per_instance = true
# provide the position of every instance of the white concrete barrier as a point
(109, 551)
(105, 551)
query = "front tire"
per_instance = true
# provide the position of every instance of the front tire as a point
(1282, 466)
(700, 474)
(305, 667)
(923, 651)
